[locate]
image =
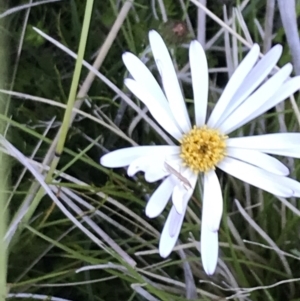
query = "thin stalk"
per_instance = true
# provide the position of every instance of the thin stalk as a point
(35, 193)
(73, 90)
(67, 117)
(4, 171)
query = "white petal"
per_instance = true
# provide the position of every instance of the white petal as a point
(253, 80)
(234, 83)
(170, 232)
(175, 224)
(287, 89)
(139, 164)
(278, 144)
(169, 79)
(177, 197)
(258, 159)
(260, 178)
(248, 110)
(123, 157)
(212, 201)
(209, 249)
(174, 221)
(160, 198)
(155, 172)
(153, 166)
(199, 72)
(295, 186)
(294, 153)
(144, 77)
(184, 189)
(162, 116)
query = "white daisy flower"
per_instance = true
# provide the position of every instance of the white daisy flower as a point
(205, 146)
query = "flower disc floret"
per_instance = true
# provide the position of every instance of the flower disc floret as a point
(202, 148)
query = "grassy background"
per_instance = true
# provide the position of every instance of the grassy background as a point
(74, 230)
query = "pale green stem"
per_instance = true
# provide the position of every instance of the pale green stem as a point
(68, 113)
(4, 172)
(73, 91)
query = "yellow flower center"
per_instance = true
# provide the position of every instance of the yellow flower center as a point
(202, 148)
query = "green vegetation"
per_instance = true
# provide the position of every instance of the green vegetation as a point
(74, 230)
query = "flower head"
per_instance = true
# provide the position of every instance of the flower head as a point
(206, 145)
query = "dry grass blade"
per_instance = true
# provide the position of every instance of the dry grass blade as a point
(201, 31)
(178, 175)
(269, 19)
(220, 22)
(139, 289)
(40, 179)
(53, 103)
(266, 237)
(94, 226)
(35, 297)
(191, 289)
(112, 86)
(24, 207)
(25, 6)
(289, 20)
